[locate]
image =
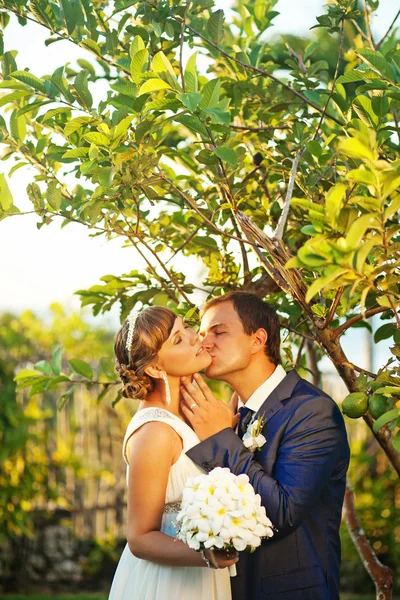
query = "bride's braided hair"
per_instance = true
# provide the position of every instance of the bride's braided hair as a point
(152, 328)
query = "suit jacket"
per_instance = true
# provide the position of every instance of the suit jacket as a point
(300, 474)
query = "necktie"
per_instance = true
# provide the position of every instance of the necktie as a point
(245, 417)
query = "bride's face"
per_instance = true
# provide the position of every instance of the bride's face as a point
(183, 353)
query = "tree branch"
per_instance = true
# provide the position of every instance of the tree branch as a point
(264, 74)
(289, 193)
(333, 82)
(257, 129)
(333, 307)
(359, 369)
(379, 44)
(193, 205)
(369, 313)
(381, 576)
(67, 38)
(367, 26)
(181, 47)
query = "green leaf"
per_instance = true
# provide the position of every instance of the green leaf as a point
(137, 44)
(76, 153)
(364, 251)
(138, 61)
(63, 399)
(17, 126)
(81, 368)
(61, 84)
(323, 282)
(192, 123)
(215, 25)
(35, 196)
(363, 107)
(334, 202)
(56, 361)
(44, 367)
(376, 61)
(206, 157)
(355, 149)
(141, 129)
(69, 12)
(91, 45)
(121, 129)
(43, 12)
(396, 442)
(190, 100)
(8, 64)
(227, 154)
(6, 198)
(105, 176)
(355, 75)
(362, 175)
(160, 63)
(29, 79)
(358, 229)
(219, 115)
(153, 85)
(386, 418)
(210, 94)
(97, 138)
(81, 90)
(26, 374)
(392, 208)
(190, 74)
(125, 87)
(384, 332)
(389, 389)
(53, 196)
(14, 96)
(76, 124)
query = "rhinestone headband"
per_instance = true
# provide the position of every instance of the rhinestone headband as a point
(131, 321)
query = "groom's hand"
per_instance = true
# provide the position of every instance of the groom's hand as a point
(205, 413)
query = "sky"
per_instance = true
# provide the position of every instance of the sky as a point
(40, 267)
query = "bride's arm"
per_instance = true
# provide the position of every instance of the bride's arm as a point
(152, 450)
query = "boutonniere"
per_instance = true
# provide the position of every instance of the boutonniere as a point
(253, 438)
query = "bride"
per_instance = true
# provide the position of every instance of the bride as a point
(153, 350)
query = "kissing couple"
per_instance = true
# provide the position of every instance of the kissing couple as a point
(181, 430)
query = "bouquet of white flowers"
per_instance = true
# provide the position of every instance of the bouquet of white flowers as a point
(221, 510)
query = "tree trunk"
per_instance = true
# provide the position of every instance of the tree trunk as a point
(381, 576)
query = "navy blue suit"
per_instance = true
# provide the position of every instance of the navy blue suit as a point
(300, 474)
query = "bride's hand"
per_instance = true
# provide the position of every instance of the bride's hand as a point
(219, 559)
(233, 404)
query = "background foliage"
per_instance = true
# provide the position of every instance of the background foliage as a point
(275, 164)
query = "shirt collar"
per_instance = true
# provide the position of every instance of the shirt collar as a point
(259, 396)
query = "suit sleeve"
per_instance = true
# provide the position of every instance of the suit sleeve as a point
(312, 446)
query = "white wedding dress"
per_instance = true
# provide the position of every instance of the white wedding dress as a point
(137, 579)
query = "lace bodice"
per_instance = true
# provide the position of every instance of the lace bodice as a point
(184, 466)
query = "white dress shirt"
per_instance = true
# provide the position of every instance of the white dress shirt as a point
(259, 396)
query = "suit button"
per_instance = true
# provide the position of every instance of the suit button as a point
(205, 465)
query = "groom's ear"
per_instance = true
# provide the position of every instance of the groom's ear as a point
(259, 340)
(154, 371)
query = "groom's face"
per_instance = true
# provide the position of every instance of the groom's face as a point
(222, 335)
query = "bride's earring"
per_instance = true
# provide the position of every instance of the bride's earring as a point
(167, 390)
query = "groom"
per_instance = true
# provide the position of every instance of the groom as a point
(299, 472)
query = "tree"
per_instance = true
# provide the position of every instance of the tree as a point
(36, 450)
(284, 186)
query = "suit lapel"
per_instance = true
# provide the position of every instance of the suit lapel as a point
(283, 391)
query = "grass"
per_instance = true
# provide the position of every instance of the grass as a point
(102, 597)
(58, 597)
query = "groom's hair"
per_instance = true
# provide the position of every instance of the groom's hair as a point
(254, 314)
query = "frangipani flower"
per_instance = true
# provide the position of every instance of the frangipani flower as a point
(222, 510)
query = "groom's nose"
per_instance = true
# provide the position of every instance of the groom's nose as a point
(207, 342)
